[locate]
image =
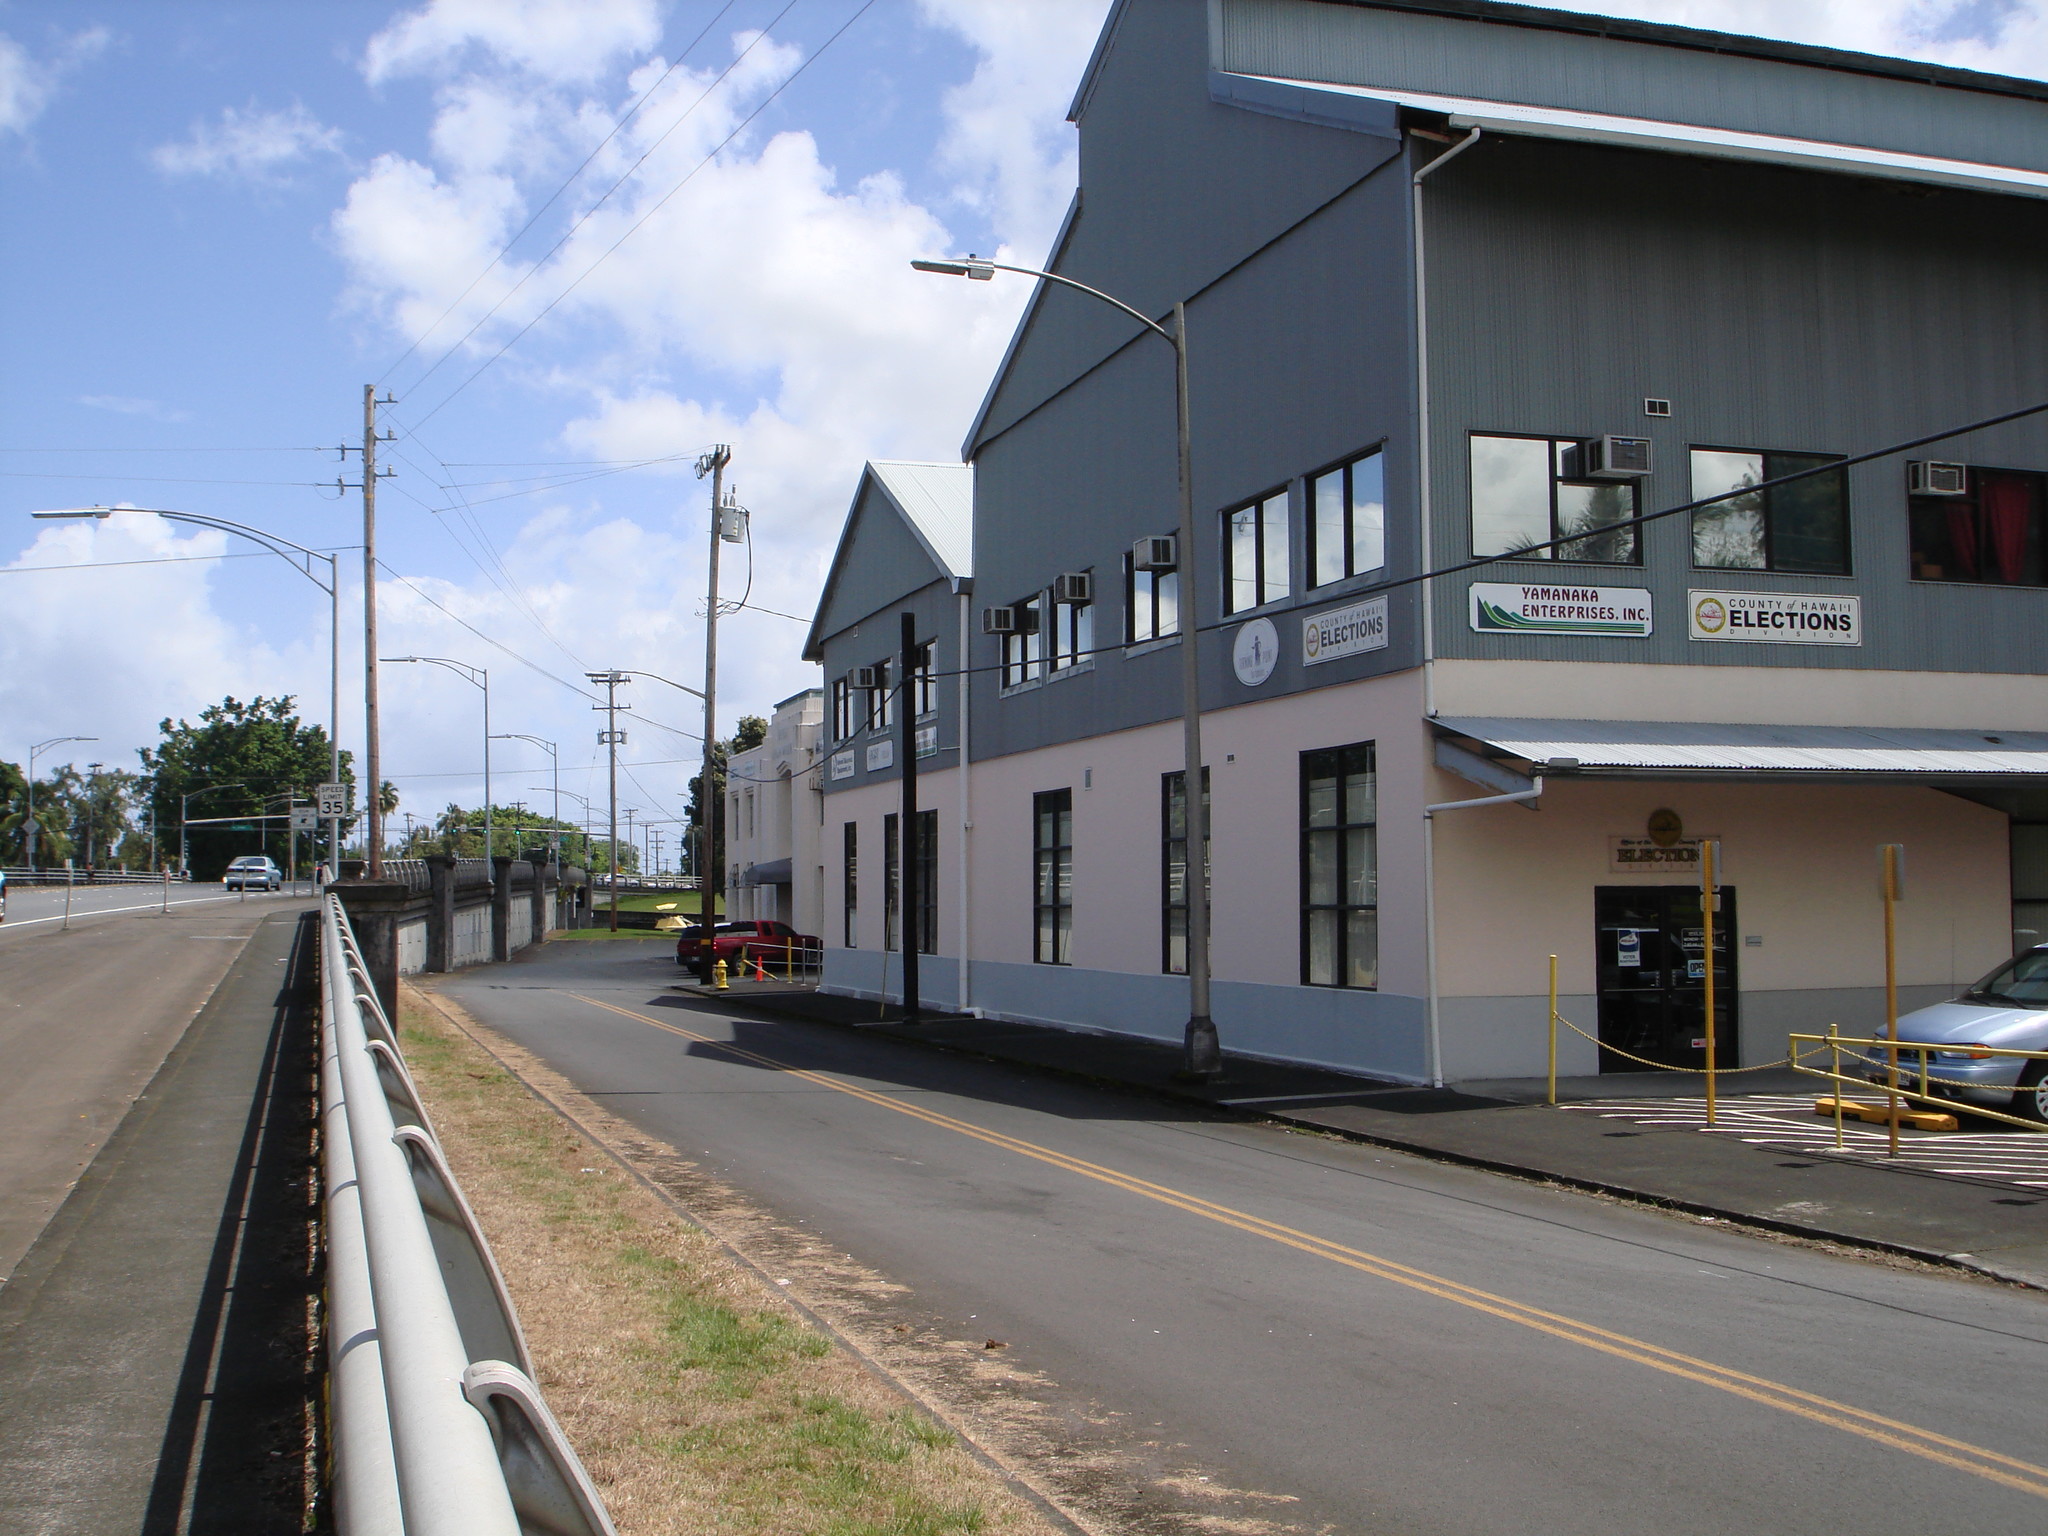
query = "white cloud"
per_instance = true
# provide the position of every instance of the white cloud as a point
(27, 84)
(254, 145)
(128, 405)
(567, 40)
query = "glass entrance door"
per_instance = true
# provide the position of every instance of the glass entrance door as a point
(1652, 975)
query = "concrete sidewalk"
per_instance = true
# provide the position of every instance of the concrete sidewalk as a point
(1988, 1226)
(158, 1370)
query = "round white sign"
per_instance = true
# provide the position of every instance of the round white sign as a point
(1256, 652)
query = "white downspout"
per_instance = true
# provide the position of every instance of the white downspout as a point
(1428, 597)
(966, 604)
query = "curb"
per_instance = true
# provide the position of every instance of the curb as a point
(1613, 1190)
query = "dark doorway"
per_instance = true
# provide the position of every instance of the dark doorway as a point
(1653, 987)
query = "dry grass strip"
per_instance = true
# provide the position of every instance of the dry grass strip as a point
(699, 1402)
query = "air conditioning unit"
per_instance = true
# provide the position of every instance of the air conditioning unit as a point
(1931, 477)
(1615, 458)
(1161, 552)
(871, 678)
(999, 621)
(1074, 587)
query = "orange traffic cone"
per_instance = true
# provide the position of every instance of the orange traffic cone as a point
(760, 971)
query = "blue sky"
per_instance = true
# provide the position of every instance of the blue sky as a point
(222, 220)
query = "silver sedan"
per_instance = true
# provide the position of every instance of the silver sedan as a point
(2007, 1009)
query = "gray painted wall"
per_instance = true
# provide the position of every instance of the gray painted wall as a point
(1776, 309)
(879, 559)
(1363, 45)
(879, 637)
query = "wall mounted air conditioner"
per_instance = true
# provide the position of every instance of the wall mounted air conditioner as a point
(1073, 587)
(1615, 458)
(1160, 552)
(1932, 477)
(871, 678)
(999, 621)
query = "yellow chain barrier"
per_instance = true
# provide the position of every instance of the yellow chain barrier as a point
(1662, 1066)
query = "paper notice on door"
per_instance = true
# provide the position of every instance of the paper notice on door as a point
(1628, 949)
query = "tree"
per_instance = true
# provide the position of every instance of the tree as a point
(247, 759)
(98, 807)
(53, 814)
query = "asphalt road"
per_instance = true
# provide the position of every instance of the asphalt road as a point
(86, 1017)
(1363, 1341)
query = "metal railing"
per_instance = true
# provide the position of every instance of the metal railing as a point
(438, 1427)
(1906, 1064)
(23, 876)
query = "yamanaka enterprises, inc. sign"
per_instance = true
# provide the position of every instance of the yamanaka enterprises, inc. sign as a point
(1348, 631)
(1775, 618)
(1541, 608)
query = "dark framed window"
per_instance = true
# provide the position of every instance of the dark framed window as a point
(842, 708)
(892, 886)
(924, 689)
(1024, 649)
(881, 700)
(1072, 640)
(1992, 533)
(926, 925)
(1347, 519)
(1799, 527)
(850, 887)
(1255, 550)
(1340, 945)
(1151, 603)
(1052, 897)
(1523, 495)
(1173, 874)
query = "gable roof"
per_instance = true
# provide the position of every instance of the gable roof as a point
(936, 504)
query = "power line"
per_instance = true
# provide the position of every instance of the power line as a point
(30, 474)
(324, 448)
(588, 213)
(641, 222)
(553, 197)
(108, 565)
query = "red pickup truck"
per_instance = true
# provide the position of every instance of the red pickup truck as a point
(775, 945)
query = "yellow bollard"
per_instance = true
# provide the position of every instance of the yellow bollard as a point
(1553, 1029)
(1709, 895)
(1835, 1071)
(718, 973)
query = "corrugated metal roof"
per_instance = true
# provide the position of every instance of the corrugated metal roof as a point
(938, 499)
(1691, 139)
(1689, 746)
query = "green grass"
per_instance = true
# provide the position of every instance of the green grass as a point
(682, 903)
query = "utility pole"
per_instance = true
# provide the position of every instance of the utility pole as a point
(906, 844)
(609, 738)
(373, 757)
(710, 799)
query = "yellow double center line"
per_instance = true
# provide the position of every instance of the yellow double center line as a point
(2025, 1476)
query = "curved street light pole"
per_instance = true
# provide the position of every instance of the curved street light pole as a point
(555, 832)
(301, 560)
(477, 677)
(35, 752)
(1201, 1051)
(184, 801)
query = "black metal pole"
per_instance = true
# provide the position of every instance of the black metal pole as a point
(906, 835)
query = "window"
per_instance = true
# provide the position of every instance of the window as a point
(1256, 539)
(1798, 527)
(1151, 604)
(1073, 636)
(923, 688)
(881, 701)
(892, 888)
(1992, 533)
(1523, 495)
(927, 920)
(1052, 901)
(850, 890)
(1347, 520)
(1339, 868)
(1024, 651)
(1173, 837)
(842, 708)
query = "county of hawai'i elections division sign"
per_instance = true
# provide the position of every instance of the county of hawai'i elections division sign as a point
(1775, 618)
(1556, 608)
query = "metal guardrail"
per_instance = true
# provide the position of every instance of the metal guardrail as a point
(438, 1427)
(21, 875)
(1912, 1064)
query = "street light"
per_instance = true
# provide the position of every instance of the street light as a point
(35, 752)
(1201, 1051)
(300, 559)
(555, 763)
(478, 677)
(185, 800)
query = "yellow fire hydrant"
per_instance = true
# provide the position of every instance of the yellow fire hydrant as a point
(718, 981)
